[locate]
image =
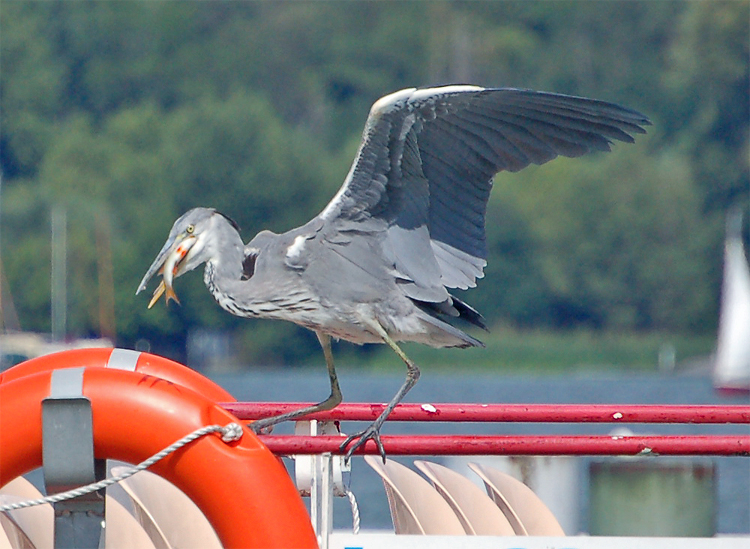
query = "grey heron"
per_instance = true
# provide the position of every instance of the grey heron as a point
(408, 225)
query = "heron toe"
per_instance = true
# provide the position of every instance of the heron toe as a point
(262, 427)
(372, 432)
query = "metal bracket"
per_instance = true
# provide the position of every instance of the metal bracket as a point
(68, 459)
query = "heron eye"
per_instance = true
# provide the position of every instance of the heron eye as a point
(190, 229)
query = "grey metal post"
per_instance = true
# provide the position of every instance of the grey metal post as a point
(68, 459)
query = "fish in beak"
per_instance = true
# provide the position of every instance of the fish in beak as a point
(167, 264)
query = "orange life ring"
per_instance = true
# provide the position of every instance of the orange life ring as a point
(241, 487)
(136, 361)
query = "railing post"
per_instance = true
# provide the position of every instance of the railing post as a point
(321, 498)
(321, 476)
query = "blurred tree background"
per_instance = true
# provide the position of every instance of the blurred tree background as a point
(128, 113)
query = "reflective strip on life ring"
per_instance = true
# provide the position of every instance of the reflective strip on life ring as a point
(121, 359)
(241, 487)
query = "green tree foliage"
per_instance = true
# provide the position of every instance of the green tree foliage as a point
(129, 113)
(620, 239)
(708, 74)
(32, 98)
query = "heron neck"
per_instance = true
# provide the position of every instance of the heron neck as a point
(225, 264)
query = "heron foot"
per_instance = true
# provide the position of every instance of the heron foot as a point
(261, 427)
(372, 432)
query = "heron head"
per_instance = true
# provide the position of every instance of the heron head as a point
(184, 250)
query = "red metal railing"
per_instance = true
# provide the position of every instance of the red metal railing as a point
(495, 413)
(472, 445)
(722, 445)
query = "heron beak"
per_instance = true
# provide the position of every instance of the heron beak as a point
(167, 264)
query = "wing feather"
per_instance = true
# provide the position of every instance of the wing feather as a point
(423, 173)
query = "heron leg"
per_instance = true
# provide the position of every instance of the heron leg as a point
(333, 400)
(373, 431)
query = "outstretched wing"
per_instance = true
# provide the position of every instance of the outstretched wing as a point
(424, 170)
